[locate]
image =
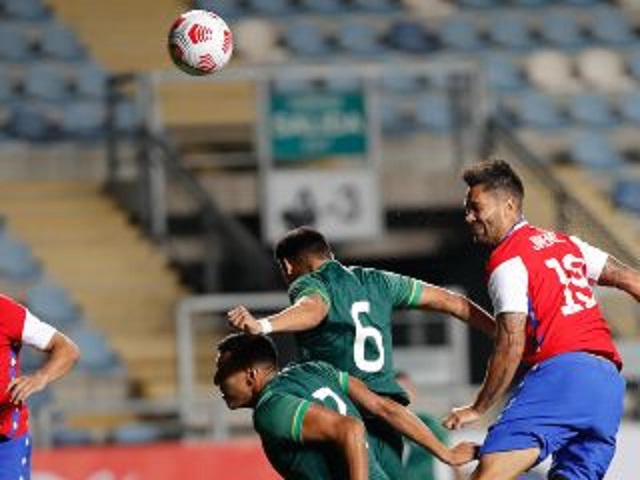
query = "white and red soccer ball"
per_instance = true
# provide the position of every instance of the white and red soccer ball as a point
(200, 42)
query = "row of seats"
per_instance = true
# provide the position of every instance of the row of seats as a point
(261, 41)
(243, 8)
(24, 9)
(533, 109)
(46, 40)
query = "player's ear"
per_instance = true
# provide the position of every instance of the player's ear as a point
(288, 267)
(252, 375)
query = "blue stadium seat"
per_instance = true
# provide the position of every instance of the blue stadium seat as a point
(53, 304)
(306, 38)
(395, 121)
(25, 9)
(135, 433)
(90, 81)
(60, 43)
(479, 3)
(562, 30)
(45, 82)
(31, 359)
(343, 83)
(611, 27)
(629, 107)
(66, 437)
(293, 84)
(592, 110)
(229, 9)
(433, 113)
(594, 151)
(32, 122)
(582, 3)
(379, 6)
(539, 111)
(96, 356)
(512, 32)
(15, 44)
(128, 118)
(633, 63)
(400, 81)
(17, 261)
(409, 36)
(532, 3)
(504, 73)
(461, 33)
(626, 195)
(323, 6)
(84, 120)
(7, 86)
(272, 7)
(358, 38)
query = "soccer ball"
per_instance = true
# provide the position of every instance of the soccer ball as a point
(200, 42)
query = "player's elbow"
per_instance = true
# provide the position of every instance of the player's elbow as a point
(350, 430)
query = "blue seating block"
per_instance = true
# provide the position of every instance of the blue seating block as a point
(594, 151)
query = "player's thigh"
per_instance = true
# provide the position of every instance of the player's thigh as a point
(587, 457)
(505, 465)
(386, 445)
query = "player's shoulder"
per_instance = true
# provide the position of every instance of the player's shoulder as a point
(9, 305)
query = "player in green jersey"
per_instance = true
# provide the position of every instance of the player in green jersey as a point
(342, 315)
(306, 417)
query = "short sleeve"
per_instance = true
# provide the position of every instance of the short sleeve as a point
(36, 333)
(508, 287)
(404, 291)
(280, 417)
(309, 285)
(594, 258)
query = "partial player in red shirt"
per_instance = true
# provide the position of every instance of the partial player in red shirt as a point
(19, 327)
(569, 403)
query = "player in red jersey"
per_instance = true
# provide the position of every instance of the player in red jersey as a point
(20, 327)
(569, 403)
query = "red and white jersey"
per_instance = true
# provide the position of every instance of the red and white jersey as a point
(549, 276)
(17, 327)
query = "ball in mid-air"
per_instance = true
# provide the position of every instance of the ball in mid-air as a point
(200, 42)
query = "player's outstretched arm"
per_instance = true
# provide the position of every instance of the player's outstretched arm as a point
(63, 353)
(408, 424)
(507, 354)
(322, 424)
(446, 301)
(617, 274)
(305, 314)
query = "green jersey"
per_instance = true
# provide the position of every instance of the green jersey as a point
(355, 336)
(279, 415)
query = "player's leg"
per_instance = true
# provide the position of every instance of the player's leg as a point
(386, 445)
(505, 465)
(585, 458)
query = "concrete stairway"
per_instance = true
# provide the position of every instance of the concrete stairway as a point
(119, 279)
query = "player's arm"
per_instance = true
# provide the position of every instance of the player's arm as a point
(322, 424)
(621, 276)
(62, 352)
(405, 422)
(306, 313)
(502, 366)
(446, 301)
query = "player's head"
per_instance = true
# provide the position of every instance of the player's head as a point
(494, 200)
(244, 364)
(300, 250)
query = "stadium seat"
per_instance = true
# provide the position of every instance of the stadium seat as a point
(409, 36)
(532, 3)
(629, 107)
(358, 38)
(25, 9)
(399, 82)
(626, 195)
(229, 9)
(479, 3)
(96, 356)
(90, 82)
(32, 122)
(592, 110)
(594, 151)
(342, 83)
(632, 60)
(128, 118)
(611, 27)
(539, 111)
(271, 7)
(306, 38)
(562, 30)
(7, 86)
(60, 43)
(433, 113)
(135, 433)
(512, 32)
(582, 2)
(45, 82)
(53, 304)
(84, 119)
(604, 70)
(378, 6)
(15, 44)
(16, 261)
(504, 73)
(395, 120)
(66, 437)
(461, 33)
(323, 6)
(552, 71)
(287, 84)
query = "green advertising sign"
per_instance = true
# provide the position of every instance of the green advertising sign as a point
(311, 125)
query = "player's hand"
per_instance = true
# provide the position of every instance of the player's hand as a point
(461, 417)
(23, 387)
(462, 453)
(241, 319)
